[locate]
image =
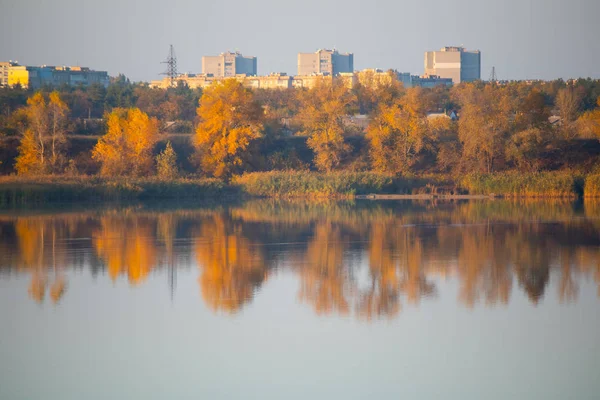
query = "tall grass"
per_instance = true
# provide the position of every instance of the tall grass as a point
(592, 185)
(313, 184)
(16, 190)
(515, 184)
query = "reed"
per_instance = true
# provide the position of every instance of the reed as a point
(564, 184)
(15, 190)
(313, 184)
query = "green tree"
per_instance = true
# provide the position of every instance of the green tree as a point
(166, 163)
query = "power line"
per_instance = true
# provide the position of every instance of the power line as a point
(171, 62)
(493, 77)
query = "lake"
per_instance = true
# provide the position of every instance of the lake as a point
(267, 299)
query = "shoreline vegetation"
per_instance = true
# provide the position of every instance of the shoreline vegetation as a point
(25, 190)
(374, 140)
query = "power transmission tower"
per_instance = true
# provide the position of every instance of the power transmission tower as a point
(493, 77)
(171, 62)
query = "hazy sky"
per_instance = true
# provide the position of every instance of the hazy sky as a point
(523, 39)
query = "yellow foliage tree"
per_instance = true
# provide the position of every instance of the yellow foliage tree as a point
(126, 148)
(58, 113)
(590, 122)
(30, 154)
(323, 110)
(41, 148)
(230, 120)
(399, 132)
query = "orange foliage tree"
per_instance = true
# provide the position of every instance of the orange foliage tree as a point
(231, 119)
(323, 110)
(126, 148)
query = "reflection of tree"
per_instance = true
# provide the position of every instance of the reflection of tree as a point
(125, 243)
(232, 266)
(483, 266)
(324, 281)
(37, 242)
(381, 298)
(568, 289)
(414, 282)
(484, 246)
(531, 259)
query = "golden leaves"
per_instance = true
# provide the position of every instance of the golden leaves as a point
(41, 148)
(230, 120)
(126, 148)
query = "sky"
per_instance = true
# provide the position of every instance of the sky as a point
(522, 39)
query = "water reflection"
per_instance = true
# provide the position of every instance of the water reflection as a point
(366, 260)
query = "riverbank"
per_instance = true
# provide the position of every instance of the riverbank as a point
(16, 190)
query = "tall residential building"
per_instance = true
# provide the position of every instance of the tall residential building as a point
(326, 62)
(36, 77)
(229, 64)
(454, 62)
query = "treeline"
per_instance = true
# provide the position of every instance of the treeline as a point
(479, 128)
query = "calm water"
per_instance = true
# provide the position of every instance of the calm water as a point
(276, 300)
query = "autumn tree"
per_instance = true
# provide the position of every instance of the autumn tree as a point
(58, 112)
(42, 146)
(126, 148)
(589, 122)
(230, 119)
(399, 132)
(374, 87)
(484, 123)
(568, 103)
(323, 110)
(532, 131)
(166, 163)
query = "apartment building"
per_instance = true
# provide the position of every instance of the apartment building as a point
(455, 63)
(228, 65)
(325, 62)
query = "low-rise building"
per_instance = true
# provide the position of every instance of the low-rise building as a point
(430, 81)
(36, 77)
(4, 67)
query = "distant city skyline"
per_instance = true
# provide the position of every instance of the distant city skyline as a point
(535, 39)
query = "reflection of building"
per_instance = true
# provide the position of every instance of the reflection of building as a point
(228, 65)
(36, 77)
(327, 62)
(454, 62)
